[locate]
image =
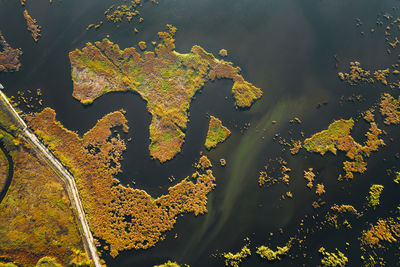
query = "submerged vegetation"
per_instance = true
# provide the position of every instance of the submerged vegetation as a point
(123, 217)
(217, 133)
(165, 79)
(9, 57)
(275, 171)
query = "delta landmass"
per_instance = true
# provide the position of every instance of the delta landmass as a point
(165, 79)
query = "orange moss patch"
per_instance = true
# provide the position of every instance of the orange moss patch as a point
(217, 133)
(320, 189)
(357, 75)
(123, 217)
(384, 230)
(369, 115)
(309, 176)
(223, 53)
(204, 163)
(142, 45)
(165, 79)
(32, 26)
(389, 108)
(296, 146)
(9, 57)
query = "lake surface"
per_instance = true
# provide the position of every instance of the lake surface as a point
(287, 49)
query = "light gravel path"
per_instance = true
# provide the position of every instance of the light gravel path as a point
(67, 178)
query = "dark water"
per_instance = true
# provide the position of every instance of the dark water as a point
(286, 48)
(10, 174)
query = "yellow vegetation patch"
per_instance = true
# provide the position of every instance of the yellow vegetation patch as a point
(234, 259)
(142, 45)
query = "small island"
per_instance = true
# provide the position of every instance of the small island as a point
(337, 137)
(217, 133)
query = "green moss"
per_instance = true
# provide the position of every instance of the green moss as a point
(167, 136)
(48, 262)
(153, 147)
(375, 192)
(165, 86)
(60, 203)
(217, 133)
(140, 77)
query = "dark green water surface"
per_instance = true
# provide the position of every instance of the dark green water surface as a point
(285, 47)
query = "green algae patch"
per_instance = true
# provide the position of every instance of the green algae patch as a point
(328, 140)
(374, 196)
(217, 133)
(332, 259)
(165, 79)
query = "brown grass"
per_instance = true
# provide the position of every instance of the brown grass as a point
(123, 217)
